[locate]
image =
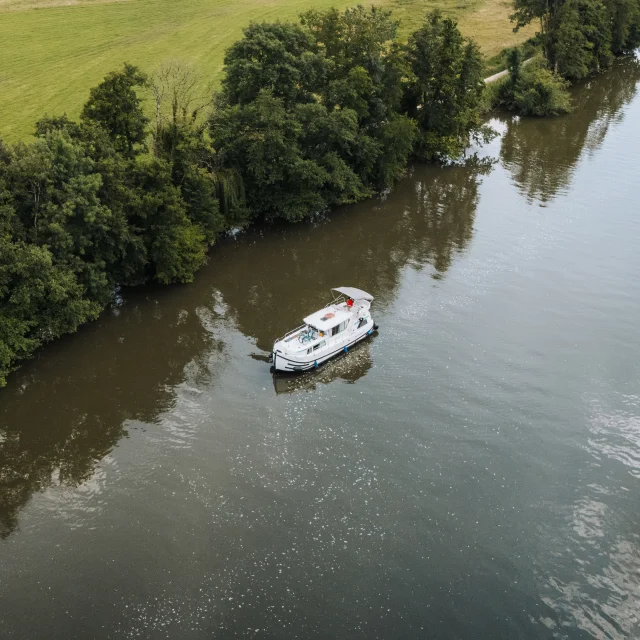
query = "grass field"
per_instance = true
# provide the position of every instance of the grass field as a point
(53, 51)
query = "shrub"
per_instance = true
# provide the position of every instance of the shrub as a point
(532, 89)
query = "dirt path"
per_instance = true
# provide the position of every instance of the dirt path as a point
(502, 74)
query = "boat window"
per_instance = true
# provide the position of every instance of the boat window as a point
(319, 345)
(339, 328)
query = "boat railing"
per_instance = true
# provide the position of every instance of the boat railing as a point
(290, 333)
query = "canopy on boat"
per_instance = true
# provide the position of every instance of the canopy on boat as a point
(327, 318)
(352, 292)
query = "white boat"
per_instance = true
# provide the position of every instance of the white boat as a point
(326, 333)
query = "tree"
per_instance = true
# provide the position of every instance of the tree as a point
(445, 89)
(362, 60)
(581, 37)
(175, 245)
(279, 57)
(308, 113)
(179, 140)
(533, 90)
(625, 25)
(38, 301)
(260, 141)
(57, 193)
(115, 106)
(366, 72)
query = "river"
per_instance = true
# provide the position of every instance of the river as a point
(473, 471)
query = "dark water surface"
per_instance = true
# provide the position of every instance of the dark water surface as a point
(471, 472)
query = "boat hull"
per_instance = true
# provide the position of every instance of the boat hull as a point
(284, 364)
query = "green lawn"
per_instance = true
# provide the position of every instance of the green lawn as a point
(53, 51)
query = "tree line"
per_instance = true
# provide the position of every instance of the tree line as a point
(577, 38)
(580, 37)
(310, 115)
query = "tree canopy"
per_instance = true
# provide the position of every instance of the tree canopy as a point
(581, 37)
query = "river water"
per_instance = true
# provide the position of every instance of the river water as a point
(473, 471)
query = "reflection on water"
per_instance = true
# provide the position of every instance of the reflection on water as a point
(594, 585)
(594, 581)
(615, 434)
(541, 154)
(270, 280)
(62, 414)
(348, 367)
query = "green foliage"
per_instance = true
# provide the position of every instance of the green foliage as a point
(291, 162)
(179, 140)
(444, 93)
(532, 89)
(38, 300)
(625, 25)
(115, 106)
(308, 118)
(280, 57)
(175, 244)
(541, 93)
(580, 37)
(55, 195)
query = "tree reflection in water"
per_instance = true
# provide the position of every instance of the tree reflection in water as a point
(541, 154)
(64, 412)
(272, 278)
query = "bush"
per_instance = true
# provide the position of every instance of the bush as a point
(532, 89)
(540, 92)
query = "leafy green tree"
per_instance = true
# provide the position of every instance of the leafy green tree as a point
(581, 40)
(445, 89)
(397, 136)
(115, 106)
(56, 194)
(176, 247)
(308, 113)
(260, 141)
(280, 57)
(362, 59)
(39, 301)
(625, 25)
(541, 93)
(366, 71)
(533, 90)
(581, 37)
(179, 139)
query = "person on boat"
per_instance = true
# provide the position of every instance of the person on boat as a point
(349, 302)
